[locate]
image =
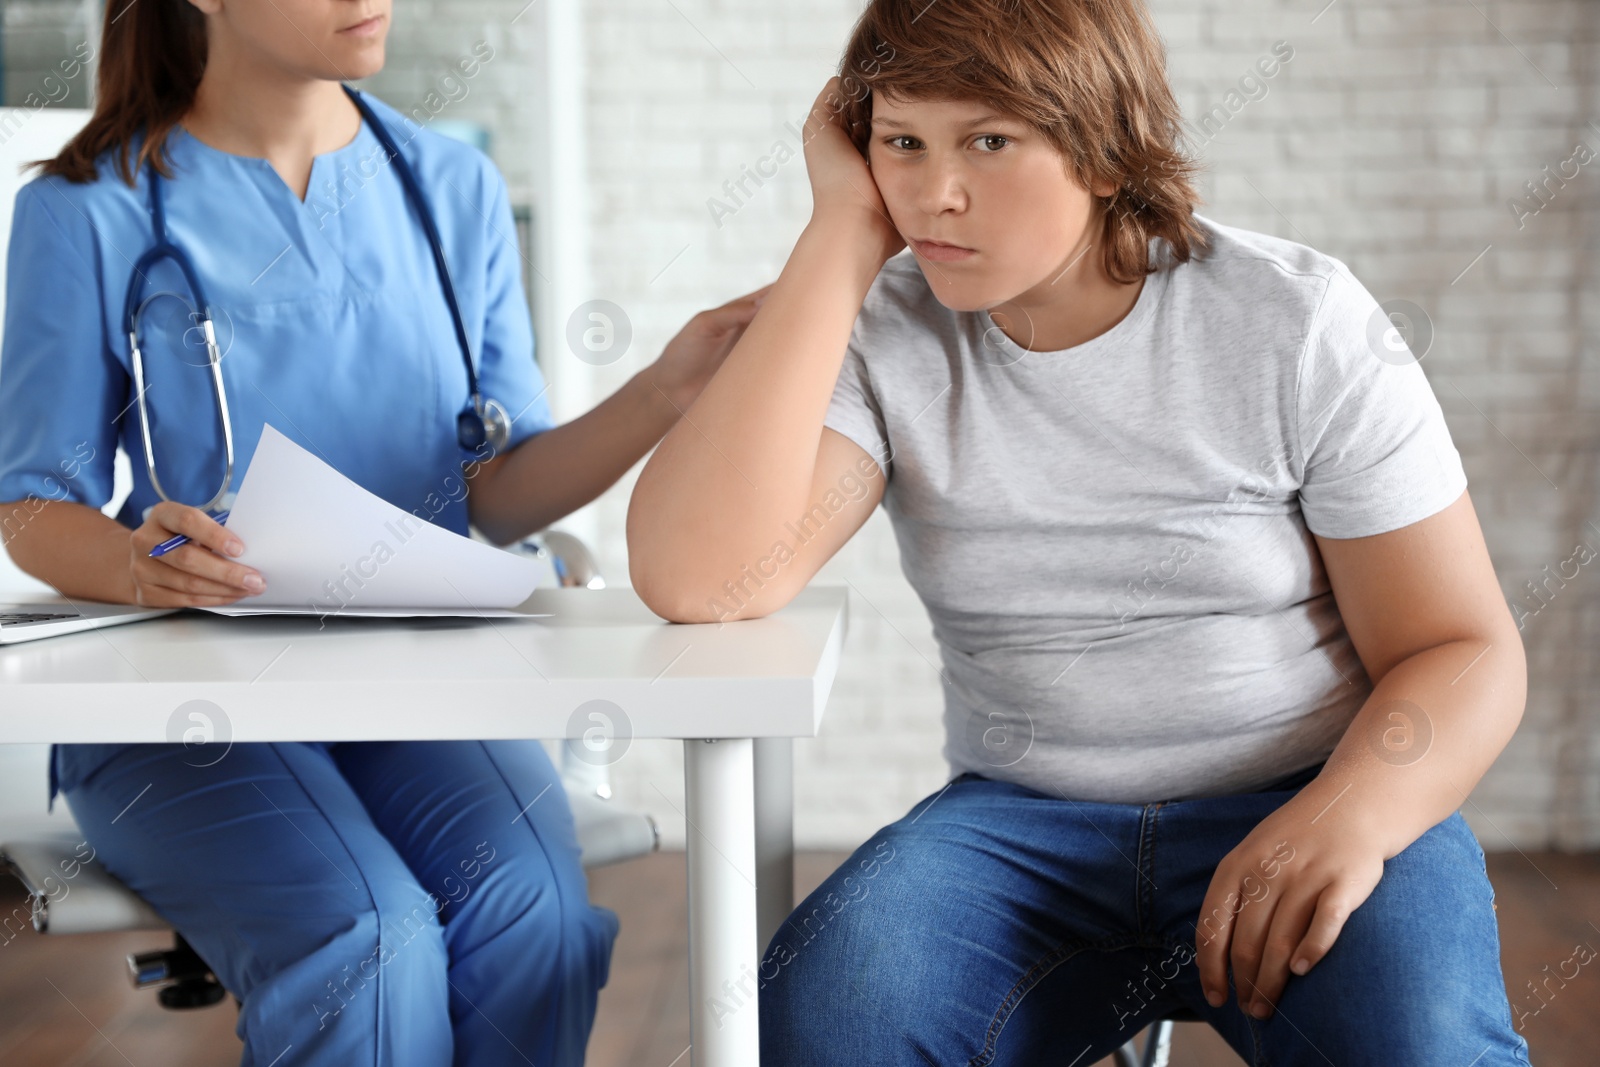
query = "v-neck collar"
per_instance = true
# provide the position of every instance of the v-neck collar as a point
(321, 165)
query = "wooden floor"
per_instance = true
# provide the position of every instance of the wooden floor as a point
(64, 1001)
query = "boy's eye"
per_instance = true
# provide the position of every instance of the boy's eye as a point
(988, 143)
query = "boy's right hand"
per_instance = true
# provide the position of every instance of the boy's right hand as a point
(842, 187)
(197, 574)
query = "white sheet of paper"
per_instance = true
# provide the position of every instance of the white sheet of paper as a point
(326, 546)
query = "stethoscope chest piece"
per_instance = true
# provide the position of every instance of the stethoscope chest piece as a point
(484, 421)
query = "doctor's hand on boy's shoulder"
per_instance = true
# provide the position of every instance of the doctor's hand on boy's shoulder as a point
(693, 356)
(198, 574)
(842, 187)
(1278, 901)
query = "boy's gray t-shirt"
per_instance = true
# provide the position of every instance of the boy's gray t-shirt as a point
(1114, 540)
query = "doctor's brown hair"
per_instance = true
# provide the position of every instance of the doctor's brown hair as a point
(152, 54)
(1089, 75)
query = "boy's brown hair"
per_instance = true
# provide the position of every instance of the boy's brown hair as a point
(1090, 75)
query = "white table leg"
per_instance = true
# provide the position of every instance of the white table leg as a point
(719, 780)
(774, 768)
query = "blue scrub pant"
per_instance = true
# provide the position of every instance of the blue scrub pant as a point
(405, 904)
(994, 925)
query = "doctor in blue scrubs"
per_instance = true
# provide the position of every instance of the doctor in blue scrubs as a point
(368, 903)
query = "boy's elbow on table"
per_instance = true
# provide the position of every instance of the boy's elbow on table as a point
(683, 584)
(669, 599)
(688, 601)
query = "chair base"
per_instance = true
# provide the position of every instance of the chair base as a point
(1157, 1043)
(185, 995)
(184, 979)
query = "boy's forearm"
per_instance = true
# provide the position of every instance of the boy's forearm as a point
(1427, 733)
(73, 548)
(743, 456)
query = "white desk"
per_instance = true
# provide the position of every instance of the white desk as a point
(736, 693)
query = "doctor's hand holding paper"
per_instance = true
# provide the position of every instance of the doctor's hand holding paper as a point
(200, 573)
(237, 239)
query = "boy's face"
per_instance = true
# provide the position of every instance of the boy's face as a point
(958, 173)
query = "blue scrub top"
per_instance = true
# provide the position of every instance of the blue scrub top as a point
(329, 312)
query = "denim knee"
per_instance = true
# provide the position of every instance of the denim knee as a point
(1418, 964)
(843, 960)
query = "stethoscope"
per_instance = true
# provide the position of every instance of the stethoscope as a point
(483, 420)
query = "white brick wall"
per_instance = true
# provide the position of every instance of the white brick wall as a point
(1393, 139)
(38, 35)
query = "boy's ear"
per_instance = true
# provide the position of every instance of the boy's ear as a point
(1099, 188)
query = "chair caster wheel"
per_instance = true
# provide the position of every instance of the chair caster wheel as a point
(184, 995)
(181, 977)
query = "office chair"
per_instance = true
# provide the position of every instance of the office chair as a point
(69, 896)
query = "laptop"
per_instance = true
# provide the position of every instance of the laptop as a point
(29, 622)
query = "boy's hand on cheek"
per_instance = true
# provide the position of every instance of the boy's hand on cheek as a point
(842, 188)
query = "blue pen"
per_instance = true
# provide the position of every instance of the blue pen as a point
(171, 543)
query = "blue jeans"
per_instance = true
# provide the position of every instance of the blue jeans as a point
(405, 904)
(996, 925)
